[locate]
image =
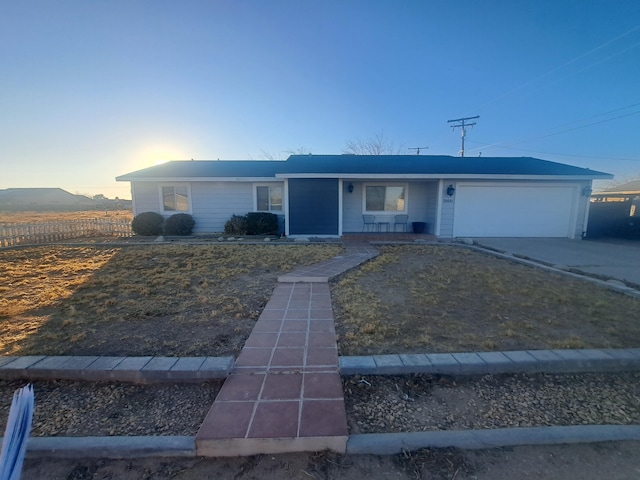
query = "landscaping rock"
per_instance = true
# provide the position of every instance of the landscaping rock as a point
(423, 402)
(66, 408)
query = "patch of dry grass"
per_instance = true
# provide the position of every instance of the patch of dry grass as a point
(139, 300)
(447, 298)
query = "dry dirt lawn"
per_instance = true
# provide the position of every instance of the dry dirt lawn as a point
(181, 300)
(172, 300)
(444, 298)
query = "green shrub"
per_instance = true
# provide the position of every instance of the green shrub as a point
(147, 223)
(262, 223)
(179, 224)
(236, 225)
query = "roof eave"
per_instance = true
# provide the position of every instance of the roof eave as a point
(436, 176)
(126, 178)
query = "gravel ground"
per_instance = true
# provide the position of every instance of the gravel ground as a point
(423, 402)
(374, 404)
(65, 408)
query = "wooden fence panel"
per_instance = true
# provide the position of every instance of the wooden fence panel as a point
(46, 232)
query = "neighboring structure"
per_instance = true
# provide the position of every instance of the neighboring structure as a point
(620, 193)
(615, 212)
(327, 195)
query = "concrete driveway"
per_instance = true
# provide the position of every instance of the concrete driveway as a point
(615, 259)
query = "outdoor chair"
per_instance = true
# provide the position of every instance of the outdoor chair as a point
(369, 223)
(402, 221)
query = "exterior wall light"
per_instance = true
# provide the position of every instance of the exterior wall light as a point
(451, 190)
(586, 191)
(350, 188)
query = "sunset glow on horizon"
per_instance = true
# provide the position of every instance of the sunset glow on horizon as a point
(94, 90)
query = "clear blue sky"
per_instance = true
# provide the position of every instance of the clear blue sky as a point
(93, 89)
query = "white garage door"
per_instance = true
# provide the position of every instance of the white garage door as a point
(514, 211)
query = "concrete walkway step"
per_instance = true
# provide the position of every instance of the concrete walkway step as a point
(322, 272)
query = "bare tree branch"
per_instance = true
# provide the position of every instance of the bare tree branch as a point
(377, 144)
(285, 153)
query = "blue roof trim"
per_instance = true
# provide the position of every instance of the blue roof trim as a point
(208, 168)
(431, 164)
(361, 165)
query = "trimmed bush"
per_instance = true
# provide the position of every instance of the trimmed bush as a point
(236, 225)
(179, 224)
(147, 223)
(262, 223)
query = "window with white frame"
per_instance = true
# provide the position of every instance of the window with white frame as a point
(385, 198)
(269, 198)
(175, 198)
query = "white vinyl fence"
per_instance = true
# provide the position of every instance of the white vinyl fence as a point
(30, 233)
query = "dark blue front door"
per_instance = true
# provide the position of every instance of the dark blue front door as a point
(313, 206)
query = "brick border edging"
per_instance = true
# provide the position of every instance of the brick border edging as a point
(125, 369)
(361, 444)
(393, 443)
(111, 447)
(472, 363)
(201, 369)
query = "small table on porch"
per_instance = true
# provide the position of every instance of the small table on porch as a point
(387, 226)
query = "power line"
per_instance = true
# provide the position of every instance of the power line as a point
(581, 126)
(417, 149)
(505, 144)
(593, 116)
(556, 153)
(462, 124)
(553, 70)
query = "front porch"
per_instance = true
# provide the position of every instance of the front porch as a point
(365, 237)
(389, 207)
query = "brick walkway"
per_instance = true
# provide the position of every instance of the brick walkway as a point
(284, 393)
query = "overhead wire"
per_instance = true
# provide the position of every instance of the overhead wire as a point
(554, 130)
(622, 159)
(577, 128)
(553, 70)
(506, 144)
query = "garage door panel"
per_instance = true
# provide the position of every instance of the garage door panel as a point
(514, 211)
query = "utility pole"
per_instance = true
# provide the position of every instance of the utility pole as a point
(417, 149)
(463, 125)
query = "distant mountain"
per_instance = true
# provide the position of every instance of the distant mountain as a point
(52, 199)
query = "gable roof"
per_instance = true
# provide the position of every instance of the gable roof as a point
(437, 165)
(353, 166)
(206, 169)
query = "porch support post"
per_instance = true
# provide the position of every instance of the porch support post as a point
(340, 195)
(436, 230)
